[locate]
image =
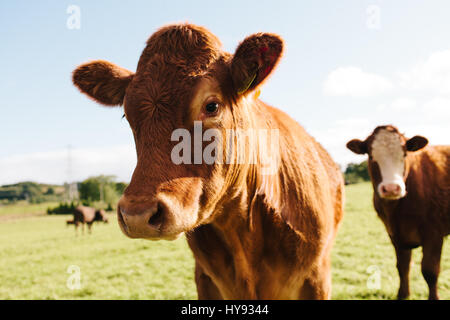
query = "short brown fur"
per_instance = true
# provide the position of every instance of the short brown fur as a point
(253, 236)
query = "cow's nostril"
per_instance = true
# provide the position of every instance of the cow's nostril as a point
(157, 219)
(383, 189)
(121, 219)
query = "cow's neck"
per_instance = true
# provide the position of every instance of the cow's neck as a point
(386, 211)
(248, 250)
(401, 216)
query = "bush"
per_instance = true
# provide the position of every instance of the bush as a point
(120, 187)
(356, 172)
(50, 191)
(63, 208)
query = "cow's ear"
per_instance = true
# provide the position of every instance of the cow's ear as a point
(357, 146)
(254, 60)
(103, 81)
(416, 143)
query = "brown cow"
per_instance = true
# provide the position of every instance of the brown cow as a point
(255, 233)
(87, 215)
(411, 196)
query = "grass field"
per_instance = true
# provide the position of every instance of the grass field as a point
(22, 209)
(36, 252)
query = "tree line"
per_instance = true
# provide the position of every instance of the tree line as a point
(105, 190)
(356, 172)
(30, 191)
(99, 191)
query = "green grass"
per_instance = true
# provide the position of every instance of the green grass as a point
(35, 253)
(363, 243)
(24, 208)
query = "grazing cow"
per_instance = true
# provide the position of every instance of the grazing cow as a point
(254, 233)
(411, 196)
(87, 215)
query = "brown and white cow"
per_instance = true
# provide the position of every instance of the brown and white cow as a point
(254, 234)
(86, 215)
(411, 196)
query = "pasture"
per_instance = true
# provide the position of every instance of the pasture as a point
(37, 250)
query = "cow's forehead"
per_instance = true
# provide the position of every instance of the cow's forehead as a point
(165, 85)
(188, 47)
(387, 143)
(174, 58)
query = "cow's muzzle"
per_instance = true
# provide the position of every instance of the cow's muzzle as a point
(144, 220)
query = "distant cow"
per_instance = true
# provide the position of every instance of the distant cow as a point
(411, 197)
(261, 225)
(87, 215)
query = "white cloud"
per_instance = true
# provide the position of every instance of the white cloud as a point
(429, 76)
(418, 104)
(436, 134)
(352, 81)
(53, 167)
(438, 108)
(399, 104)
(432, 75)
(336, 136)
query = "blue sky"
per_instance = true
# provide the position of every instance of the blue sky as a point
(344, 72)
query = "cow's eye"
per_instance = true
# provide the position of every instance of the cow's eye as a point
(212, 108)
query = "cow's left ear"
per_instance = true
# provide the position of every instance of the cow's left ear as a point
(416, 143)
(254, 60)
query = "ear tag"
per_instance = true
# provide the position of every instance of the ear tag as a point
(247, 84)
(257, 93)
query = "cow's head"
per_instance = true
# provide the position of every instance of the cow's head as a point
(182, 77)
(387, 149)
(100, 215)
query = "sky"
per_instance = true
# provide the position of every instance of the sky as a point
(348, 67)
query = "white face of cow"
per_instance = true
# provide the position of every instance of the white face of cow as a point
(387, 151)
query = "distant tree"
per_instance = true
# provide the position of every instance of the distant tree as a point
(100, 188)
(30, 191)
(120, 187)
(89, 190)
(110, 194)
(356, 172)
(10, 193)
(50, 191)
